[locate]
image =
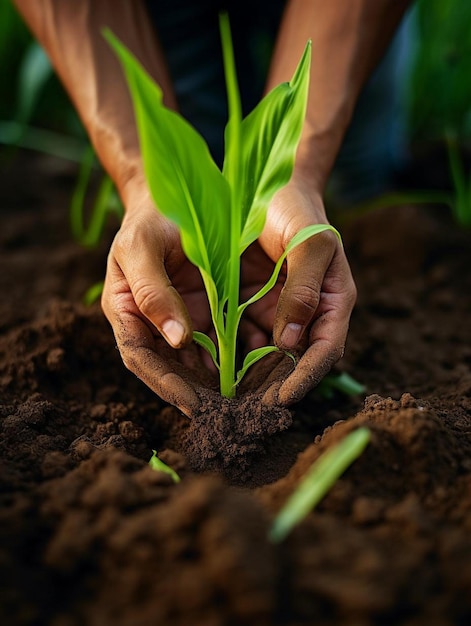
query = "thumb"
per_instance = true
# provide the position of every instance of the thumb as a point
(299, 298)
(160, 303)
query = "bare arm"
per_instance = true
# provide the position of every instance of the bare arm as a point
(314, 307)
(70, 32)
(349, 37)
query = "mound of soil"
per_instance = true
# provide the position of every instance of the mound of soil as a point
(89, 534)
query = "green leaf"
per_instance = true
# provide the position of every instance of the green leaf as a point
(322, 475)
(252, 357)
(299, 238)
(269, 138)
(185, 183)
(208, 344)
(159, 466)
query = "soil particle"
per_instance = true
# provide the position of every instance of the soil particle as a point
(227, 435)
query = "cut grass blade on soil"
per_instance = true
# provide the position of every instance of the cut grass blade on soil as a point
(321, 477)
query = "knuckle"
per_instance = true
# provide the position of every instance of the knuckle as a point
(336, 354)
(351, 294)
(128, 353)
(305, 297)
(129, 360)
(146, 297)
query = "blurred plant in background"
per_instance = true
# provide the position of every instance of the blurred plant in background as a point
(36, 114)
(440, 92)
(439, 99)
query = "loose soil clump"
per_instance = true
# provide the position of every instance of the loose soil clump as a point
(89, 534)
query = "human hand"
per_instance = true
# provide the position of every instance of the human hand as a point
(153, 297)
(310, 307)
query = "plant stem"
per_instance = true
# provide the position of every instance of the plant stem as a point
(228, 342)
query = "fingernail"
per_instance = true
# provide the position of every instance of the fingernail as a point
(291, 335)
(173, 332)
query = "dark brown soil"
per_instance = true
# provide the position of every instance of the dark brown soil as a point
(89, 534)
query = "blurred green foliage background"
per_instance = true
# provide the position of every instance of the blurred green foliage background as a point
(439, 98)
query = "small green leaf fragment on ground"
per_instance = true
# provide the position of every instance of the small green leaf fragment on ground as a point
(322, 475)
(159, 466)
(343, 382)
(93, 293)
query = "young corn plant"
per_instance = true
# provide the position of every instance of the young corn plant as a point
(220, 213)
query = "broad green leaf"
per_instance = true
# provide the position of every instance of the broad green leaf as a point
(159, 466)
(299, 238)
(322, 475)
(268, 142)
(252, 357)
(185, 183)
(208, 344)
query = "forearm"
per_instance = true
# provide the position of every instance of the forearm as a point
(70, 32)
(348, 38)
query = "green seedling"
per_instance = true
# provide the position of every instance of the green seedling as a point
(93, 293)
(220, 213)
(319, 479)
(159, 466)
(343, 382)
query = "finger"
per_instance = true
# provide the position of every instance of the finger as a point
(327, 344)
(141, 261)
(299, 298)
(157, 369)
(136, 342)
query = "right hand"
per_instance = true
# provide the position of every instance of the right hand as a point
(153, 297)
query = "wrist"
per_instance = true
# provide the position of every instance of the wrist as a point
(140, 209)
(316, 154)
(133, 189)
